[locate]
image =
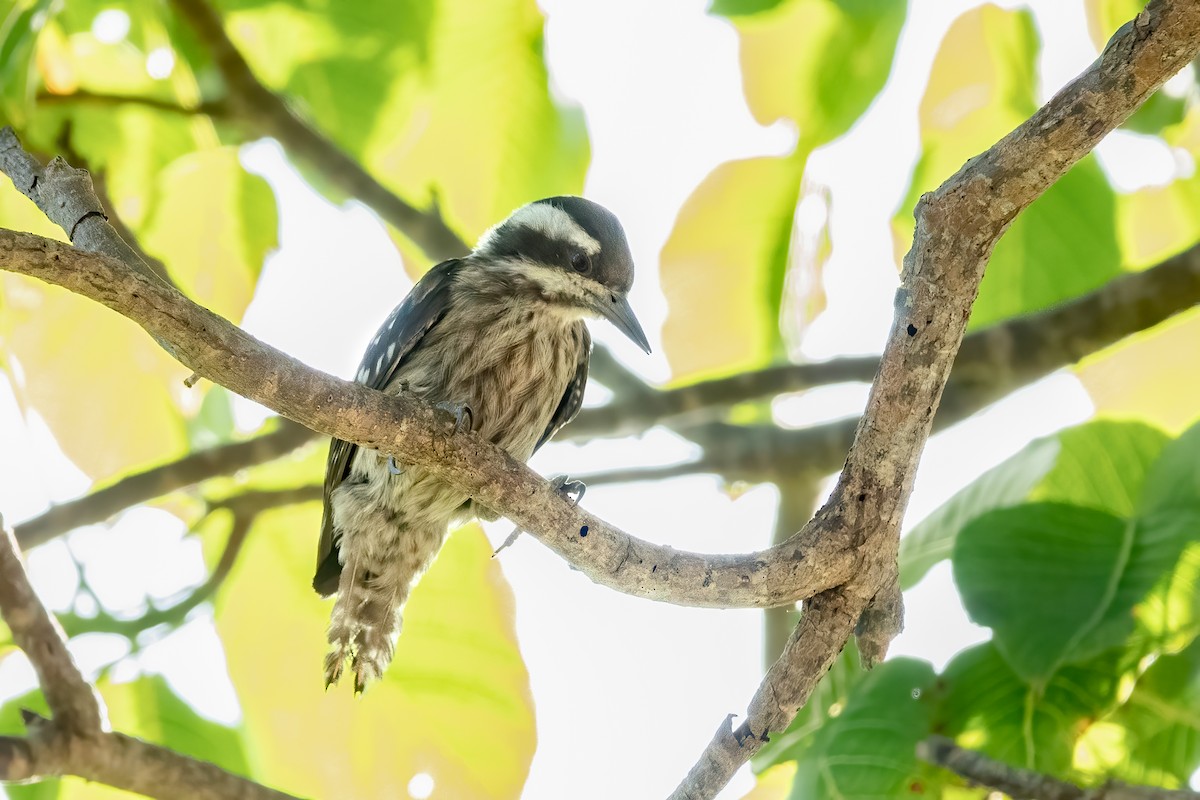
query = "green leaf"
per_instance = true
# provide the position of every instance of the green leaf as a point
(1154, 737)
(18, 42)
(1008, 483)
(1042, 576)
(213, 226)
(869, 749)
(735, 8)
(1174, 479)
(1102, 465)
(407, 98)
(1071, 225)
(981, 87)
(827, 700)
(723, 268)
(986, 706)
(213, 423)
(1059, 583)
(454, 704)
(819, 63)
(107, 414)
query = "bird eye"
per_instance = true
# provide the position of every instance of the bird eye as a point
(580, 262)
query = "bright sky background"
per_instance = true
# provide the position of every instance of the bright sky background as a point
(627, 691)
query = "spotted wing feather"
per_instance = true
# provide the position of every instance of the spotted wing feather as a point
(400, 333)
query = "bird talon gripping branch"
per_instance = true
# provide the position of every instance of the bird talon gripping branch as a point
(570, 489)
(496, 338)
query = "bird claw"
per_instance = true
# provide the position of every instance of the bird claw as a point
(564, 486)
(464, 421)
(464, 417)
(567, 487)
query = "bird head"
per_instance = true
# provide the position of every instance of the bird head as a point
(572, 252)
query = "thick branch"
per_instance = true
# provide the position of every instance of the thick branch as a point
(417, 434)
(990, 364)
(1025, 784)
(270, 115)
(956, 228)
(121, 761)
(73, 702)
(191, 469)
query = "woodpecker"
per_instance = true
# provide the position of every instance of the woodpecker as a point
(497, 338)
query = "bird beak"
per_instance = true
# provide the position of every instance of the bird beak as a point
(618, 311)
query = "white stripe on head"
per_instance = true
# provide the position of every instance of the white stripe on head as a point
(552, 222)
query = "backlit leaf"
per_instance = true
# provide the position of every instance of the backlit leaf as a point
(454, 705)
(988, 707)
(213, 226)
(1151, 376)
(1059, 583)
(869, 749)
(723, 267)
(819, 63)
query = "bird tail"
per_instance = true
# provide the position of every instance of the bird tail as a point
(366, 617)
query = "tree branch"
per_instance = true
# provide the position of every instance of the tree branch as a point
(65, 195)
(990, 363)
(1025, 784)
(74, 741)
(269, 114)
(216, 110)
(415, 433)
(73, 702)
(956, 228)
(191, 469)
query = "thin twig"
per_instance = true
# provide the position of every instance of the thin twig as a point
(1025, 784)
(83, 97)
(193, 468)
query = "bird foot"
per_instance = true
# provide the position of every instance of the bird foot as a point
(567, 487)
(464, 417)
(464, 422)
(571, 490)
(335, 659)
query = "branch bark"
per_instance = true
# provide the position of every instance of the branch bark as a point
(1025, 784)
(990, 363)
(956, 228)
(415, 433)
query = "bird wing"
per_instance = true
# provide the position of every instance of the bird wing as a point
(572, 399)
(400, 333)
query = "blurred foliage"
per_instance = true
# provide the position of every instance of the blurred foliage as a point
(1080, 553)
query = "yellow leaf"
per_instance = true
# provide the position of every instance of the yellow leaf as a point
(454, 705)
(1104, 17)
(213, 226)
(106, 390)
(722, 268)
(1158, 222)
(774, 783)
(1152, 376)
